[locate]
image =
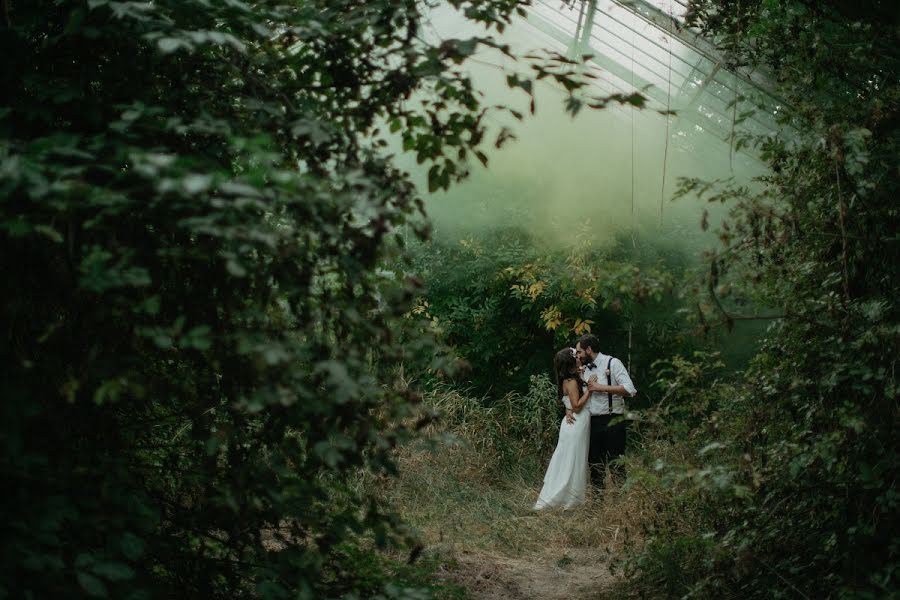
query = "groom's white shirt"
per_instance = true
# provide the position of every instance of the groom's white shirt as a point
(598, 403)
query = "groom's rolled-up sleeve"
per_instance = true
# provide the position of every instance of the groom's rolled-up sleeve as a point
(621, 377)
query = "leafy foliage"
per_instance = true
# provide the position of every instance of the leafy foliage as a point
(507, 302)
(787, 476)
(196, 195)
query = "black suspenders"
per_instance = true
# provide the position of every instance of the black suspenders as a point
(609, 382)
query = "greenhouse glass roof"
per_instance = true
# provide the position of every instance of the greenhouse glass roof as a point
(643, 46)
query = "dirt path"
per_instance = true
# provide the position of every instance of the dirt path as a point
(576, 573)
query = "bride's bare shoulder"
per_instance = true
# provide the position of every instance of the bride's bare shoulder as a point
(570, 382)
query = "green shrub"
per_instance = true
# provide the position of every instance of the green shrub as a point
(356, 572)
(507, 302)
(788, 473)
(196, 201)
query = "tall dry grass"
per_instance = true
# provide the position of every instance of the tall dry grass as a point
(471, 485)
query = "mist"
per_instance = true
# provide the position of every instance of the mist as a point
(609, 171)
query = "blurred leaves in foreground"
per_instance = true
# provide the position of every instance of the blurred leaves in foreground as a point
(197, 340)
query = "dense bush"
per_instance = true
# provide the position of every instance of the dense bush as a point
(507, 302)
(783, 482)
(196, 196)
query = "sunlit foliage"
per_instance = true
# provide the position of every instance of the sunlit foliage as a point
(506, 302)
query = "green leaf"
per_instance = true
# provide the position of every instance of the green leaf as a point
(132, 546)
(197, 338)
(433, 178)
(169, 45)
(235, 268)
(113, 571)
(328, 454)
(196, 183)
(92, 586)
(213, 444)
(50, 232)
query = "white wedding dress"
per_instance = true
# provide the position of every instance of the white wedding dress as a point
(567, 475)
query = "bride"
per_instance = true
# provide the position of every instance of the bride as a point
(566, 478)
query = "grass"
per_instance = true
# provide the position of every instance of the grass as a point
(458, 497)
(468, 491)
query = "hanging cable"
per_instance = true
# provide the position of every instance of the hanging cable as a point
(733, 122)
(662, 187)
(734, 73)
(633, 242)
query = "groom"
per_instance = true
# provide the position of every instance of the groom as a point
(606, 403)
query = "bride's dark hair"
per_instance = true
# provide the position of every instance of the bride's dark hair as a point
(566, 368)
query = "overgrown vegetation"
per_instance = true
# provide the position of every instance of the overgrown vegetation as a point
(468, 488)
(507, 302)
(472, 480)
(779, 481)
(201, 334)
(783, 483)
(196, 339)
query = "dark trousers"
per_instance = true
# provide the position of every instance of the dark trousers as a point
(607, 444)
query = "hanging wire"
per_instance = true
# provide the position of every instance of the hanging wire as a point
(733, 122)
(734, 73)
(633, 242)
(662, 187)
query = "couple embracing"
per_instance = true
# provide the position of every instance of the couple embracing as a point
(592, 386)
